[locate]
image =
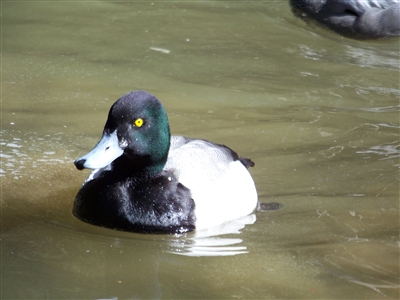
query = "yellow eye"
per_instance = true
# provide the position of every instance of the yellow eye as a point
(138, 122)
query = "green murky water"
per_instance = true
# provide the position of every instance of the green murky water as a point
(317, 113)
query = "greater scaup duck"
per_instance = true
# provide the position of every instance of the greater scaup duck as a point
(362, 19)
(146, 180)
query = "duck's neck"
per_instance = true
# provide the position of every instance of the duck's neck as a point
(140, 168)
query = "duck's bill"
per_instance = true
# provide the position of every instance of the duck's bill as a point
(105, 152)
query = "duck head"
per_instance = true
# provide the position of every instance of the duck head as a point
(136, 136)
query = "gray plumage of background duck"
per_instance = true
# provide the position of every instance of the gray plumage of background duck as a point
(146, 180)
(360, 19)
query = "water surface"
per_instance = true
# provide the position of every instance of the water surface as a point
(318, 113)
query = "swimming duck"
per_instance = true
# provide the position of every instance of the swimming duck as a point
(361, 19)
(146, 180)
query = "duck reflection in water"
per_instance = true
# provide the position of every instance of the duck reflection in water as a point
(359, 19)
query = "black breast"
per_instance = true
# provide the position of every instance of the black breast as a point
(157, 205)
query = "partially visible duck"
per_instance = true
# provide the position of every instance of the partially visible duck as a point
(145, 180)
(360, 19)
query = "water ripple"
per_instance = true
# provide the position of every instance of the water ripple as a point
(390, 151)
(22, 151)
